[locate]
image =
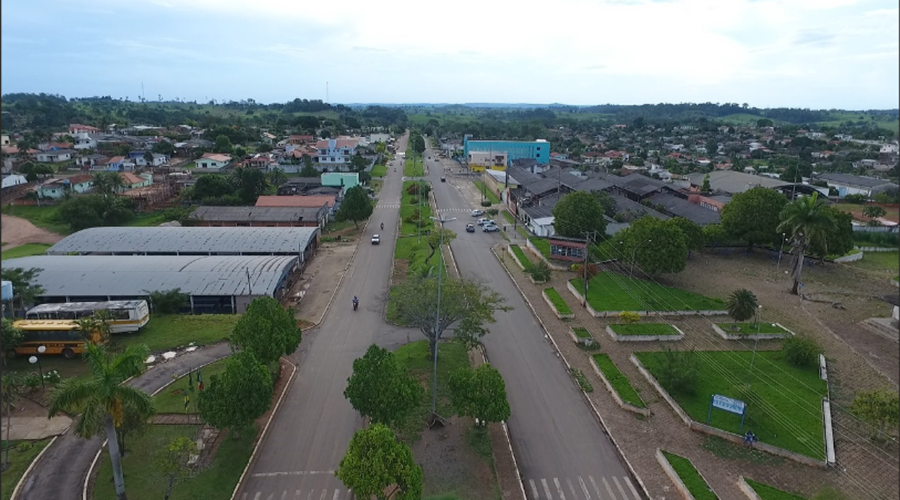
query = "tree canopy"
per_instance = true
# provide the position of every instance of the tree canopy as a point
(754, 215)
(23, 282)
(266, 329)
(377, 464)
(356, 206)
(578, 214)
(806, 222)
(238, 396)
(741, 305)
(380, 389)
(480, 393)
(92, 210)
(655, 246)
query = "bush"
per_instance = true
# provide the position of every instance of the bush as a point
(679, 371)
(629, 317)
(540, 271)
(24, 446)
(169, 301)
(31, 381)
(52, 377)
(800, 351)
(492, 211)
(486, 203)
(855, 198)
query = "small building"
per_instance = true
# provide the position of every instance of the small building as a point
(538, 150)
(481, 160)
(132, 181)
(847, 184)
(90, 161)
(567, 249)
(335, 153)
(55, 156)
(77, 128)
(259, 216)
(10, 181)
(296, 201)
(213, 161)
(345, 180)
(57, 189)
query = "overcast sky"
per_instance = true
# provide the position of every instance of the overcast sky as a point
(767, 53)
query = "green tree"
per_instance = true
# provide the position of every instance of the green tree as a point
(418, 143)
(267, 330)
(434, 240)
(838, 238)
(880, 408)
(223, 145)
(11, 337)
(741, 305)
(308, 170)
(168, 301)
(356, 206)
(800, 351)
(805, 222)
(693, 233)
(250, 183)
(107, 183)
(873, 212)
(12, 386)
(237, 397)
(705, 188)
(466, 303)
(679, 371)
(100, 399)
(606, 202)
(24, 285)
(163, 148)
(212, 186)
(656, 246)
(377, 464)
(148, 157)
(753, 215)
(380, 389)
(577, 214)
(358, 162)
(173, 461)
(95, 328)
(87, 211)
(479, 393)
(276, 177)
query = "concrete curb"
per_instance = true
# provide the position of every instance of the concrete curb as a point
(340, 282)
(31, 467)
(262, 437)
(569, 368)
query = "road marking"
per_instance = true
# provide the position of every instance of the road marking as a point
(559, 489)
(546, 489)
(324, 492)
(596, 489)
(605, 483)
(309, 497)
(284, 495)
(292, 473)
(270, 496)
(571, 488)
(297, 495)
(337, 494)
(584, 488)
(534, 491)
(631, 487)
(621, 490)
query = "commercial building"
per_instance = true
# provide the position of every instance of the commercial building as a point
(538, 150)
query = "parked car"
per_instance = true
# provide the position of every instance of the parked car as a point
(490, 228)
(470, 228)
(376, 239)
(443, 179)
(477, 213)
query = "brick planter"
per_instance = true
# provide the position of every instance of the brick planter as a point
(644, 338)
(615, 394)
(763, 336)
(553, 307)
(583, 341)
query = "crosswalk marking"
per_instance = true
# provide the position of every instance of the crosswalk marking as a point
(546, 488)
(284, 495)
(534, 491)
(559, 489)
(571, 488)
(621, 490)
(579, 489)
(337, 494)
(297, 495)
(584, 488)
(631, 487)
(324, 492)
(606, 483)
(596, 489)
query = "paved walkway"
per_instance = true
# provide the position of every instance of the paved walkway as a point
(34, 428)
(64, 465)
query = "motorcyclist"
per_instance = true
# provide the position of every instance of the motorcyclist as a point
(382, 226)
(355, 302)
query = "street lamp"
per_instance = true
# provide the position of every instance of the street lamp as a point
(437, 314)
(34, 359)
(632, 258)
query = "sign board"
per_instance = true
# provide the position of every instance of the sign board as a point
(728, 404)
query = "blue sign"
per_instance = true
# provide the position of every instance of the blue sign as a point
(728, 404)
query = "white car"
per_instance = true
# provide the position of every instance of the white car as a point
(490, 228)
(477, 213)
(482, 221)
(376, 239)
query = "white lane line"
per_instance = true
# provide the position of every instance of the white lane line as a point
(584, 488)
(546, 489)
(559, 489)
(606, 483)
(258, 494)
(534, 491)
(297, 495)
(631, 487)
(337, 494)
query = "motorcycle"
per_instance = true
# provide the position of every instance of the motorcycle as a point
(355, 304)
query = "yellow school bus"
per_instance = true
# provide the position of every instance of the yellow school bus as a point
(59, 337)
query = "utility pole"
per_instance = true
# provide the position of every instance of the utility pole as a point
(587, 247)
(437, 315)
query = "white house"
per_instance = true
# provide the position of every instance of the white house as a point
(57, 189)
(542, 227)
(847, 184)
(336, 153)
(84, 140)
(55, 156)
(158, 159)
(213, 161)
(13, 180)
(373, 138)
(4, 140)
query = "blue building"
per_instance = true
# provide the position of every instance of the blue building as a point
(538, 150)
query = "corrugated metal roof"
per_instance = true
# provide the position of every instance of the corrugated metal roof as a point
(172, 240)
(134, 275)
(257, 214)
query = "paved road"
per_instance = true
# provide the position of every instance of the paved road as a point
(561, 451)
(310, 433)
(62, 469)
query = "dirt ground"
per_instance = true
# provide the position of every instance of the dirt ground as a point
(450, 465)
(311, 293)
(17, 231)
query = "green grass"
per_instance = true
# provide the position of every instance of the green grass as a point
(25, 250)
(142, 480)
(734, 451)
(523, 259)
(379, 171)
(44, 217)
(643, 329)
(188, 166)
(18, 463)
(784, 402)
(879, 261)
(417, 361)
(767, 492)
(541, 244)
(557, 300)
(582, 332)
(171, 399)
(752, 328)
(583, 382)
(413, 165)
(618, 381)
(614, 292)
(508, 216)
(408, 206)
(480, 441)
(486, 192)
(168, 331)
(690, 477)
(67, 368)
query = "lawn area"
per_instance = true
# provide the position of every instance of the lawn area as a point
(416, 359)
(557, 300)
(43, 217)
(752, 328)
(414, 165)
(486, 192)
(643, 329)
(619, 382)
(892, 213)
(168, 331)
(379, 171)
(523, 259)
(25, 250)
(171, 399)
(879, 261)
(67, 368)
(408, 206)
(18, 463)
(541, 244)
(614, 292)
(509, 217)
(690, 477)
(784, 402)
(767, 492)
(582, 332)
(142, 480)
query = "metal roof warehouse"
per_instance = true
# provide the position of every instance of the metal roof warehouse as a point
(216, 284)
(298, 241)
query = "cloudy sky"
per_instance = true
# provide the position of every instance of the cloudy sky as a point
(767, 53)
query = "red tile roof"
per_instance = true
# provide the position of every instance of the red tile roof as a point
(314, 201)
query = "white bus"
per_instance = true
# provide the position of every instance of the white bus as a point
(126, 315)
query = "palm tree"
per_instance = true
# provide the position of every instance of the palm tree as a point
(806, 221)
(102, 398)
(95, 328)
(741, 305)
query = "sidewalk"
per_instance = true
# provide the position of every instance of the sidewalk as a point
(34, 428)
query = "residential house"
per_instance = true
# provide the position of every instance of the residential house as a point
(267, 138)
(55, 156)
(379, 137)
(300, 139)
(85, 140)
(119, 164)
(343, 180)
(58, 188)
(90, 161)
(132, 181)
(299, 185)
(259, 216)
(335, 153)
(4, 140)
(213, 161)
(10, 181)
(847, 184)
(77, 128)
